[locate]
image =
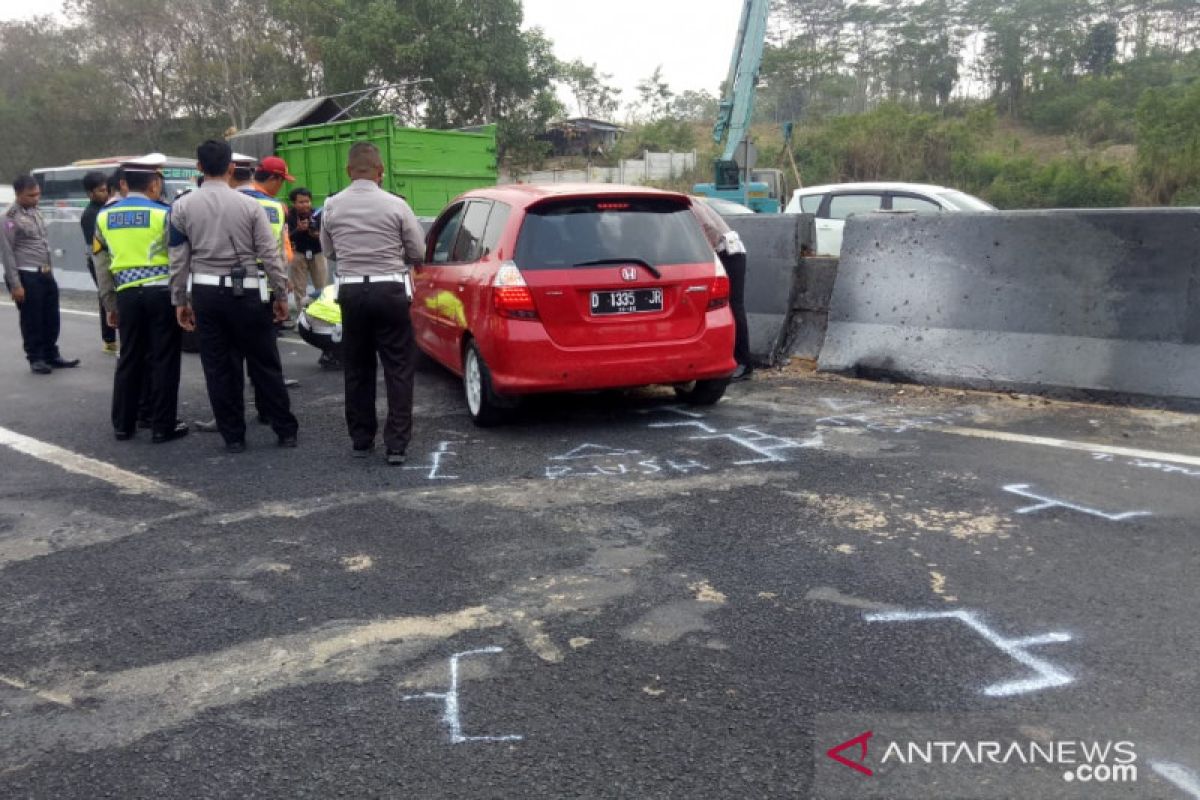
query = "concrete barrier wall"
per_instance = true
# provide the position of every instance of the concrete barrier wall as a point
(1105, 300)
(810, 308)
(775, 244)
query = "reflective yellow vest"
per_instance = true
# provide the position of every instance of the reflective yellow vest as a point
(277, 216)
(325, 308)
(134, 231)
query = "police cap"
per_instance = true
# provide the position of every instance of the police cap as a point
(152, 162)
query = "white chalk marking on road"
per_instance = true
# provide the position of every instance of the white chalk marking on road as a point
(51, 697)
(765, 445)
(450, 715)
(1049, 676)
(92, 314)
(126, 481)
(1067, 444)
(1179, 775)
(593, 451)
(1022, 489)
(435, 466)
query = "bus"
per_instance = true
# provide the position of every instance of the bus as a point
(63, 201)
(62, 187)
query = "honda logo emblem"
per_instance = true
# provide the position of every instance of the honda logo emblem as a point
(629, 273)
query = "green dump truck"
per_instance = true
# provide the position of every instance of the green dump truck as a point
(429, 168)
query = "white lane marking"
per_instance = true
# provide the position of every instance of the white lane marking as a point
(450, 715)
(1181, 776)
(1067, 444)
(1049, 675)
(60, 310)
(1022, 489)
(124, 480)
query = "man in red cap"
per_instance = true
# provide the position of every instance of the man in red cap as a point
(269, 178)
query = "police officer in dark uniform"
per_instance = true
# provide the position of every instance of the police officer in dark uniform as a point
(25, 251)
(374, 237)
(132, 271)
(95, 183)
(216, 235)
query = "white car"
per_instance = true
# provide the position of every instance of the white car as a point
(835, 203)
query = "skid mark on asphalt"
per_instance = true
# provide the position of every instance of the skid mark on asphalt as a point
(124, 480)
(125, 706)
(57, 698)
(827, 594)
(525, 496)
(37, 534)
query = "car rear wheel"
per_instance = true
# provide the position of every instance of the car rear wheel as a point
(483, 404)
(702, 393)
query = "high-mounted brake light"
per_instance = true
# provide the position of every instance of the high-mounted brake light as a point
(612, 206)
(511, 295)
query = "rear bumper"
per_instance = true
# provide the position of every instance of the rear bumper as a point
(523, 359)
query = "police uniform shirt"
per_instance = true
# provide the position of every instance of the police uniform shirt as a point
(23, 242)
(102, 257)
(370, 232)
(215, 228)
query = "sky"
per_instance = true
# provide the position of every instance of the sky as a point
(627, 39)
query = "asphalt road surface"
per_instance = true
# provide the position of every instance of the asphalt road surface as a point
(612, 597)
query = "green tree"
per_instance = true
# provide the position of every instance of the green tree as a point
(594, 96)
(654, 96)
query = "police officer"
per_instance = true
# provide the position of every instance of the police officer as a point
(375, 237)
(25, 251)
(132, 271)
(216, 235)
(728, 246)
(95, 183)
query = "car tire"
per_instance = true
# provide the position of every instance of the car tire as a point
(702, 393)
(486, 407)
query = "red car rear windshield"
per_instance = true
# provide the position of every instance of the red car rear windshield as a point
(583, 232)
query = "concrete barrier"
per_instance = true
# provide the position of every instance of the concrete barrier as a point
(1105, 300)
(810, 308)
(775, 244)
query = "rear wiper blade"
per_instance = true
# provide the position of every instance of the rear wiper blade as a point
(599, 261)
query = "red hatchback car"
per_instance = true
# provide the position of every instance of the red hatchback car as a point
(573, 287)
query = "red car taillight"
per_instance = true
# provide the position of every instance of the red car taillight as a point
(719, 296)
(510, 294)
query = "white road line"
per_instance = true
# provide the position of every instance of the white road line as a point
(60, 310)
(124, 480)
(1181, 776)
(1067, 444)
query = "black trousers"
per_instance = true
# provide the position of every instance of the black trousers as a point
(232, 331)
(39, 316)
(735, 265)
(107, 334)
(375, 321)
(149, 363)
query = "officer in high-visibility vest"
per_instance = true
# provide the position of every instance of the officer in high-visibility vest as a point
(320, 324)
(132, 272)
